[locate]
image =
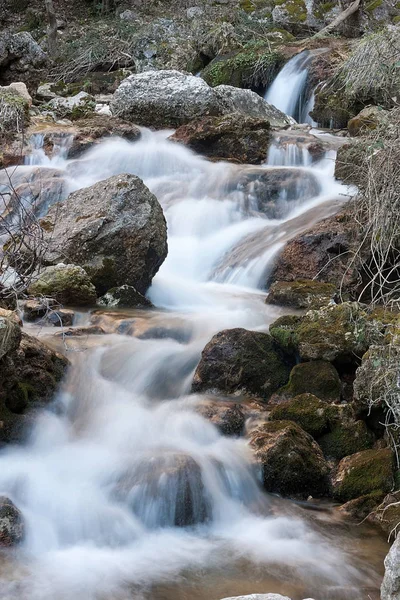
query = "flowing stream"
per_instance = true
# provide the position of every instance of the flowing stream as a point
(122, 460)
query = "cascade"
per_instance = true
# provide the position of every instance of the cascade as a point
(126, 489)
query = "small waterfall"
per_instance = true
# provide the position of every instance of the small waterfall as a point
(306, 117)
(288, 155)
(287, 90)
(61, 145)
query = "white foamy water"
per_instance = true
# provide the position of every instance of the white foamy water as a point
(99, 481)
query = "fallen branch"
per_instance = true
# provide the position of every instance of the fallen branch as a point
(343, 16)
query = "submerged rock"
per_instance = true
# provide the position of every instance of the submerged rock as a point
(238, 360)
(67, 284)
(171, 98)
(12, 524)
(125, 296)
(292, 462)
(166, 491)
(304, 293)
(114, 229)
(245, 140)
(363, 473)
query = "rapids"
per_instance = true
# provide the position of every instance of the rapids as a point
(126, 411)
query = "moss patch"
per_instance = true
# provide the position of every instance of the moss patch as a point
(308, 411)
(363, 473)
(319, 378)
(346, 439)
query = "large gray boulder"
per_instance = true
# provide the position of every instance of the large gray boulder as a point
(12, 524)
(114, 229)
(172, 98)
(20, 50)
(390, 589)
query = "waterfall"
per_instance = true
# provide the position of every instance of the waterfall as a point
(287, 89)
(61, 145)
(124, 486)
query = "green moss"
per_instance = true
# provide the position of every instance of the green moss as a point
(252, 66)
(318, 377)
(308, 411)
(322, 9)
(396, 20)
(296, 9)
(363, 473)
(304, 293)
(346, 439)
(284, 332)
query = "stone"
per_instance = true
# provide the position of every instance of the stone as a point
(304, 293)
(368, 119)
(171, 98)
(125, 296)
(20, 88)
(387, 514)
(241, 361)
(292, 462)
(12, 524)
(227, 416)
(244, 141)
(390, 589)
(172, 484)
(360, 508)
(307, 411)
(362, 473)
(14, 112)
(45, 91)
(376, 377)
(258, 597)
(345, 439)
(115, 230)
(73, 107)
(29, 378)
(321, 253)
(317, 377)
(194, 12)
(10, 335)
(20, 51)
(128, 15)
(67, 284)
(290, 14)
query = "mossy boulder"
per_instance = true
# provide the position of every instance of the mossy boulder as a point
(307, 411)
(345, 439)
(74, 107)
(291, 14)
(368, 119)
(238, 360)
(292, 462)
(318, 377)
(252, 66)
(245, 140)
(362, 473)
(14, 112)
(283, 331)
(377, 377)
(305, 293)
(10, 335)
(67, 284)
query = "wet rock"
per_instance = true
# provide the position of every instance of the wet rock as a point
(39, 195)
(29, 378)
(317, 377)
(368, 119)
(345, 439)
(73, 107)
(124, 296)
(12, 524)
(321, 253)
(259, 597)
(81, 331)
(67, 284)
(292, 462)
(387, 514)
(114, 229)
(36, 309)
(91, 130)
(362, 473)
(172, 485)
(307, 411)
(305, 293)
(390, 589)
(62, 317)
(227, 416)
(237, 360)
(245, 141)
(170, 99)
